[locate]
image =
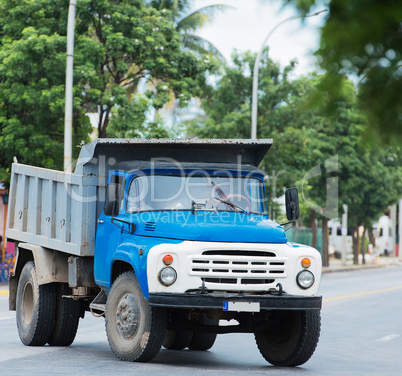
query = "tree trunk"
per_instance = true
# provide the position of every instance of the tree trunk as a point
(371, 236)
(103, 122)
(313, 230)
(325, 255)
(355, 237)
(363, 250)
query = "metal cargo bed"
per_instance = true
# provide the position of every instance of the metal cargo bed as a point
(53, 209)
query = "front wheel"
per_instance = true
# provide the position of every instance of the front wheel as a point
(135, 330)
(290, 338)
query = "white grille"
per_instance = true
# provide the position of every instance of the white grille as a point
(238, 267)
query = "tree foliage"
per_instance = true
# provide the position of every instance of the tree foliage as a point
(325, 156)
(188, 21)
(117, 44)
(32, 71)
(130, 42)
(364, 38)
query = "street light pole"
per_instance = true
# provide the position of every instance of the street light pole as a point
(256, 70)
(68, 115)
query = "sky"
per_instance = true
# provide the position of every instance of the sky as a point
(245, 28)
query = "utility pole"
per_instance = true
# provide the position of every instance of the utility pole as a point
(393, 224)
(344, 232)
(68, 115)
(400, 230)
(254, 104)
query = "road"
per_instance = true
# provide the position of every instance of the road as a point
(361, 335)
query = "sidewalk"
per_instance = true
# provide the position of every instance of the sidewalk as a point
(335, 265)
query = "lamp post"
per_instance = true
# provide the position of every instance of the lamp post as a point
(256, 70)
(68, 115)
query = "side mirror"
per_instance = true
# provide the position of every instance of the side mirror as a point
(292, 204)
(112, 199)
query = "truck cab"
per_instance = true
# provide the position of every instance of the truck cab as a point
(198, 217)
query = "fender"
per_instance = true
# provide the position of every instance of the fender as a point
(134, 251)
(51, 266)
(138, 263)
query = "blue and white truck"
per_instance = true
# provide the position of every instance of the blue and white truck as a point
(167, 239)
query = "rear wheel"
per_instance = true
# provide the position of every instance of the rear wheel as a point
(203, 341)
(68, 312)
(291, 337)
(177, 339)
(135, 330)
(35, 308)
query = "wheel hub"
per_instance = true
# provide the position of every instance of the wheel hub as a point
(127, 315)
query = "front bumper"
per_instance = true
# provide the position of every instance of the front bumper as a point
(204, 301)
(252, 268)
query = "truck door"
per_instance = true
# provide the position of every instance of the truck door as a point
(108, 238)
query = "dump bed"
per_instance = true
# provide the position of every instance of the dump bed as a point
(53, 209)
(60, 210)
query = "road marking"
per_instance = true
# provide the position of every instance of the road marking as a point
(4, 292)
(362, 293)
(7, 318)
(388, 338)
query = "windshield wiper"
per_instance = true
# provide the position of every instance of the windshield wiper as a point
(231, 204)
(223, 198)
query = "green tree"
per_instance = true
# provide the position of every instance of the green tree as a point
(227, 107)
(188, 21)
(124, 42)
(309, 147)
(117, 44)
(380, 174)
(281, 114)
(32, 66)
(364, 39)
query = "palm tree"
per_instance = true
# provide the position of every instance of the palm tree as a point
(188, 21)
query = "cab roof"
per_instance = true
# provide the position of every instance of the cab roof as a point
(97, 157)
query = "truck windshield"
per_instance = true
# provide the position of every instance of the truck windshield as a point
(167, 192)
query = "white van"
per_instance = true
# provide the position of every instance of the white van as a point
(335, 239)
(384, 241)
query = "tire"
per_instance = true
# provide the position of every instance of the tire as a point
(135, 330)
(177, 339)
(204, 341)
(291, 338)
(67, 316)
(35, 308)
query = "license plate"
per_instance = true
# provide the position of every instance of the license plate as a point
(241, 306)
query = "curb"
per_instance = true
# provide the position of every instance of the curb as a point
(331, 269)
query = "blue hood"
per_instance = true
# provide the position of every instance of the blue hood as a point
(209, 226)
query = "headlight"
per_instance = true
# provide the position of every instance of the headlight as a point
(167, 276)
(305, 279)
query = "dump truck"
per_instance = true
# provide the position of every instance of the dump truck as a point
(168, 240)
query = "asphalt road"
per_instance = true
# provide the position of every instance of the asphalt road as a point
(361, 335)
